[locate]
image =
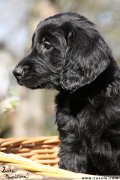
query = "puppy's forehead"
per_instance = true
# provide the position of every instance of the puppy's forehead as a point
(45, 29)
(47, 32)
(51, 22)
(51, 25)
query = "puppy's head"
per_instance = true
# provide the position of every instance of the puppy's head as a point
(67, 52)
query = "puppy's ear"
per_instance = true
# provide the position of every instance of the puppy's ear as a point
(87, 56)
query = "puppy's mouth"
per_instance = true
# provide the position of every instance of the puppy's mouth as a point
(29, 81)
(22, 80)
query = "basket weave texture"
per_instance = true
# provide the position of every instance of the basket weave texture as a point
(38, 156)
(42, 149)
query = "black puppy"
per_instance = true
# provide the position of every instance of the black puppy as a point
(69, 54)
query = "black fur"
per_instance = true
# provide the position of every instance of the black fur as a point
(69, 54)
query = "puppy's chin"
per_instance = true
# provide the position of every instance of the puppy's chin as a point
(34, 84)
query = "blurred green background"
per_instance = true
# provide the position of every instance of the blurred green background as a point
(25, 112)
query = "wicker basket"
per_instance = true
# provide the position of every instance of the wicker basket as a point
(43, 149)
(36, 155)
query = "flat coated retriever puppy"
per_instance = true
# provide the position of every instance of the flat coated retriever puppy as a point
(69, 54)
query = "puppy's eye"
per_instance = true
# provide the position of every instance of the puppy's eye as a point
(47, 45)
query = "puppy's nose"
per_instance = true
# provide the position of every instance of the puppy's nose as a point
(18, 72)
